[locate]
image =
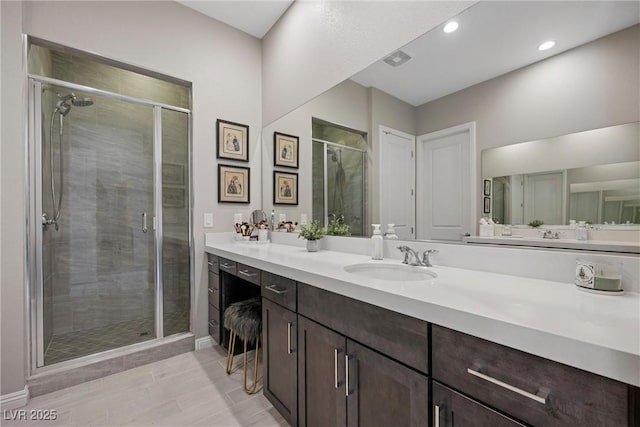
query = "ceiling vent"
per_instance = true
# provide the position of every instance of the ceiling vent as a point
(397, 58)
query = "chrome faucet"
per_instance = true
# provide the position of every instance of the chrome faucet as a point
(412, 257)
(548, 234)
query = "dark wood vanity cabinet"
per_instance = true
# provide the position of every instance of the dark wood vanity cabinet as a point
(343, 381)
(213, 290)
(280, 347)
(229, 282)
(531, 389)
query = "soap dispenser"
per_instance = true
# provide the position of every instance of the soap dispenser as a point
(391, 232)
(376, 242)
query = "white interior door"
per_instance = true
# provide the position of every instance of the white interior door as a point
(397, 182)
(543, 198)
(446, 179)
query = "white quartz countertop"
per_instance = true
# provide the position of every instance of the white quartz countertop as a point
(554, 320)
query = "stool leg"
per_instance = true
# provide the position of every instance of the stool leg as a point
(232, 347)
(253, 388)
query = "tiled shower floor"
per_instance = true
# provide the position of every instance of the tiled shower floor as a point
(82, 343)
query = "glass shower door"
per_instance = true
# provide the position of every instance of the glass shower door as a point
(97, 239)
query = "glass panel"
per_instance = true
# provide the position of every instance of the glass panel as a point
(317, 184)
(175, 221)
(98, 263)
(345, 173)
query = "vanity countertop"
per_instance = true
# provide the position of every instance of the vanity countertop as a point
(554, 320)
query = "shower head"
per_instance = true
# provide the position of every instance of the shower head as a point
(332, 152)
(82, 102)
(63, 106)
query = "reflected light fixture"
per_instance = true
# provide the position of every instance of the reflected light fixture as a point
(450, 27)
(547, 45)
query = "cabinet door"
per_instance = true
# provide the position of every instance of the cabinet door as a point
(451, 409)
(321, 389)
(280, 359)
(382, 392)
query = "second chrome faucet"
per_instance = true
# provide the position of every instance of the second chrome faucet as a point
(412, 256)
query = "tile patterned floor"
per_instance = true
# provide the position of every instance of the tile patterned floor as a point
(191, 389)
(81, 343)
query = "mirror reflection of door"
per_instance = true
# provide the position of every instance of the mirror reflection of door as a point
(543, 197)
(397, 182)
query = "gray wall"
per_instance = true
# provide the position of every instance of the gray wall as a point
(317, 45)
(591, 86)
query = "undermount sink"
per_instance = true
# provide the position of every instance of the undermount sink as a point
(392, 272)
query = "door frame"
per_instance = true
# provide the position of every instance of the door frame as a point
(34, 286)
(474, 206)
(382, 131)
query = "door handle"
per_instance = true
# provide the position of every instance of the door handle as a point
(347, 388)
(289, 349)
(336, 382)
(436, 415)
(144, 222)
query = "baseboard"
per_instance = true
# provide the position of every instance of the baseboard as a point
(204, 342)
(15, 400)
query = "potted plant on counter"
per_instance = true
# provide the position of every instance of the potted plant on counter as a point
(312, 233)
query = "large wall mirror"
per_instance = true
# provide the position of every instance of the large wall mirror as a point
(404, 140)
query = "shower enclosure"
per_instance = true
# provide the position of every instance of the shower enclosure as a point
(110, 232)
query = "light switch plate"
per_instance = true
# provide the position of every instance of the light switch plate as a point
(208, 220)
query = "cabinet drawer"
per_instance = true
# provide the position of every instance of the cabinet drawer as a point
(214, 297)
(214, 281)
(228, 266)
(401, 337)
(214, 314)
(212, 263)
(279, 290)
(214, 330)
(250, 274)
(532, 389)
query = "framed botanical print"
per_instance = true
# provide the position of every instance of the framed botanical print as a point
(233, 141)
(233, 184)
(285, 188)
(285, 150)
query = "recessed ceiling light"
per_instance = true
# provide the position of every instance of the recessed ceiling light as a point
(450, 27)
(547, 45)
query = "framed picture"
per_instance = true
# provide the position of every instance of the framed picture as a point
(487, 205)
(173, 197)
(285, 188)
(487, 187)
(285, 150)
(172, 174)
(233, 141)
(233, 184)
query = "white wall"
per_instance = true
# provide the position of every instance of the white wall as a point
(224, 65)
(318, 44)
(592, 86)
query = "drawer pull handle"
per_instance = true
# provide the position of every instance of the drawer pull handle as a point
(212, 290)
(212, 324)
(539, 399)
(227, 266)
(210, 263)
(247, 273)
(289, 349)
(279, 291)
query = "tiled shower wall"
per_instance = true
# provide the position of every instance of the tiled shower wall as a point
(99, 266)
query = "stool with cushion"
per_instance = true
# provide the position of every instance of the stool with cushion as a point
(244, 320)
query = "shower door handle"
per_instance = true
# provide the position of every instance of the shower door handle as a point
(144, 222)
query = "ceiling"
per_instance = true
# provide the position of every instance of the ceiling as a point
(494, 38)
(255, 17)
